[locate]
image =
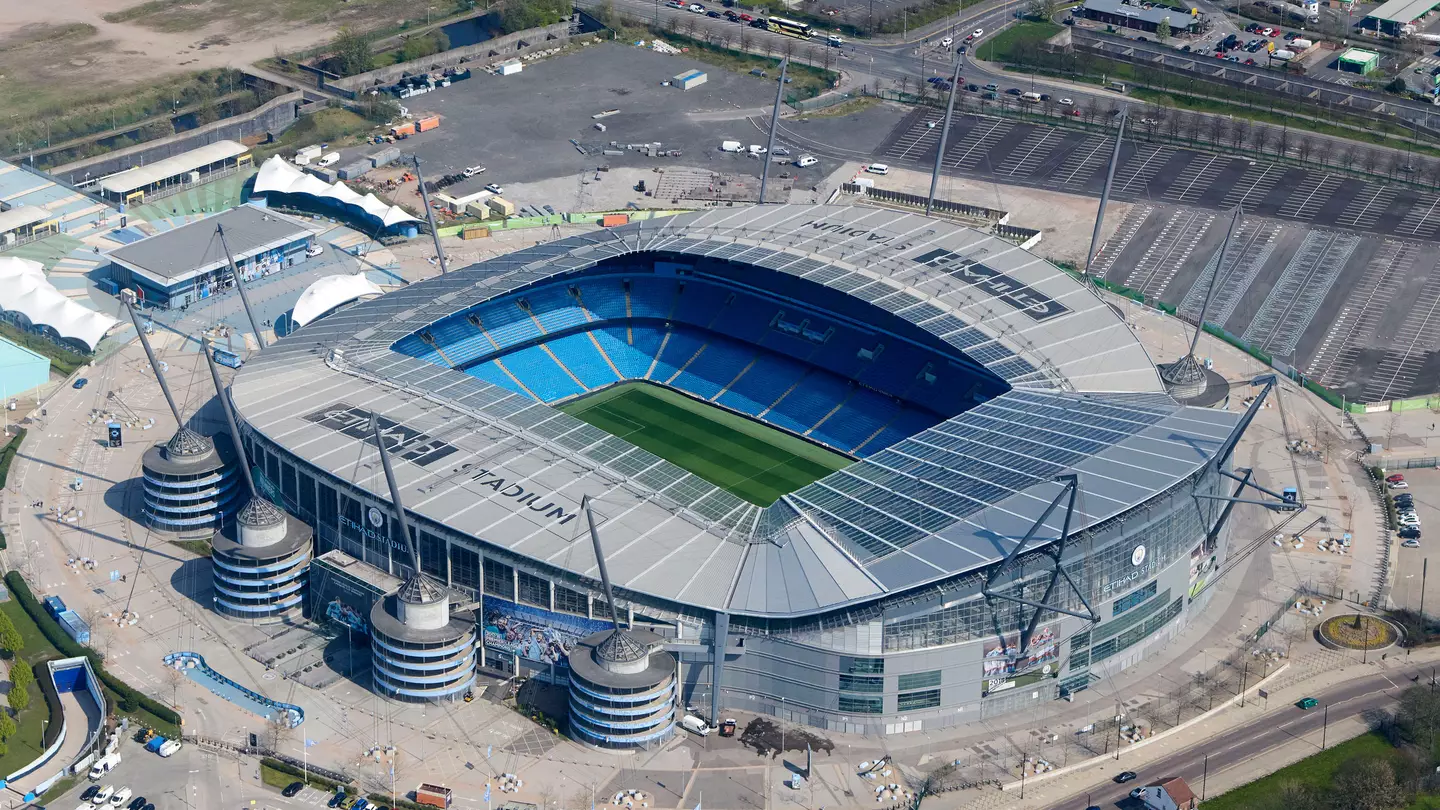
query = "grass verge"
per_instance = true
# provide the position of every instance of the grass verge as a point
(334, 126)
(1317, 772)
(1003, 46)
(746, 458)
(26, 743)
(199, 548)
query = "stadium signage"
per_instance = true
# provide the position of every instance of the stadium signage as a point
(408, 443)
(500, 486)
(843, 229)
(1035, 304)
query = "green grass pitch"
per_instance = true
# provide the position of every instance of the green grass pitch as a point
(751, 460)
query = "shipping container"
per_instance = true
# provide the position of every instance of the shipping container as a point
(611, 220)
(510, 68)
(478, 209)
(475, 233)
(54, 605)
(501, 206)
(385, 157)
(407, 128)
(75, 626)
(312, 151)
(427, 123)
(433, 795)
(353, 170)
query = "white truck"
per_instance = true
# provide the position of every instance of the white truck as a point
(104, 765)
(1283, 55)
(694, 725)
(730, 146)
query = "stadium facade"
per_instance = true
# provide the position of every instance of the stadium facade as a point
(1014, 447)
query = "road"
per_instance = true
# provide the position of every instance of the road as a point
(1281, 726)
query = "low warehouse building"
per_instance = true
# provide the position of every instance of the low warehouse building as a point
(1124, 14)
(1359, 61)
(24, 222)
(173, 173)
(690, 79)
(188, 264)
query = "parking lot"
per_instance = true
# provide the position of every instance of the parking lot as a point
(1412, 564)
(1356, 312)
(521, 127)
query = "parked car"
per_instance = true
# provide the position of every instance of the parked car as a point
(495, 188)
(80, 383)
(1409, 533)
(89, 793)
(697, 8)
(1393, 484)
(292, 788)
(1125, 776)
(1393, 478)
(974, 88)
(746, 18)
(136, 803)
(877, 168)
(1411, 543)
(1137, 793)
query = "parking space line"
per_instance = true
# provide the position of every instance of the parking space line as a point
(1126, 176)
(1310, 203)
(1088, 157)
(1335, 357)
(1029, 160)
(1255, 242)
(1301, 288)
(1410, 348)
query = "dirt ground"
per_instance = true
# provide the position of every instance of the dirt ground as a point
(50, 49)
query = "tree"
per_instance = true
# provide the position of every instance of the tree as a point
(1366, 784)
(1418, 714)
(173, 679)
(1396, 85)
(352, 51)
(10, 639)
(1163, 32)
(7, 726)
(277, 730)
(1042, 9)
(19, 687)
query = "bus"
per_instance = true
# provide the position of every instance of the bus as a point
(789, 28)
(228, 358)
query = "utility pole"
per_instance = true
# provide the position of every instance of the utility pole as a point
(240, 285)
(944, 131)
(1325, 728)
(774, 123)
(1204, 777)
(430, 216)
(1105, 194)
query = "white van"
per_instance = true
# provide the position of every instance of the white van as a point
(877, 168)
(695, 725)
(169, 748)
(104, 765)
(329, 160)
(757, 150)
(730, 146)
(807, 160)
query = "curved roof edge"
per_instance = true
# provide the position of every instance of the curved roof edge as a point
(279, 176)
(24, 289)
(330, 292)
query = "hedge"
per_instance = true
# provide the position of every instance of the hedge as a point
(287, 768)
(383, 800)
(52, 702)
(129, 697)
(6, 455)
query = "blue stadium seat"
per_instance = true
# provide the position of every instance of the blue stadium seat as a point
(507, 324)
(762, 384)
(865, 413)
(651, 297)
(716, 366)
(491, 373)
(554, 307)
(810, 401)
(699, 304)
(579, 354)
(682, 345)
(533, 367)
(605, 298)
(417, 348)
(633, 362)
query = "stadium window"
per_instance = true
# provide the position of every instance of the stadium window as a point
(307, 497)
(862, 683)
(861, 705)
(432, 555)
(867, 666)
(464, 567)
(272, 468)
(328, 514)
(1136, 597)
(568, 601)
(534, 590)
(499, 579)
(287, 482)
(910, 701)
(919, 680)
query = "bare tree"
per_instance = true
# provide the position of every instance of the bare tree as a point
(1092, 109)
(277, 730)
(1239, 131)
(173, 679)
(1259, 137)
(1368, 160)
(1303, 147)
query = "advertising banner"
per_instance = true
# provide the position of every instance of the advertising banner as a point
(534, 634)
(1005, 668)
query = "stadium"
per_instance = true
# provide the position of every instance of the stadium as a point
(868, 470)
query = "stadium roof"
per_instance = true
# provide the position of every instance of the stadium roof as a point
(1402, 11)
(25, 289)
(142, 176)
(279, 176)
(24, 215)
(955, 498)
(193, 249)
(330, 292)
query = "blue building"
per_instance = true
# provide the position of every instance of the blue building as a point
(21, 370)
(188, 264)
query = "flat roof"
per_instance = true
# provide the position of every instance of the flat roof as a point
(190, 250)
(1402, 11)
(1179, 18)
(361, 570)
(142, 176)
(511, 472)
(24, 215)
(1359, 55)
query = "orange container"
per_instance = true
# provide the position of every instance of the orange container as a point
(428, 123)
(611, 220)
(403, 129)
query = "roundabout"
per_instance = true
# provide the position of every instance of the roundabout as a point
(1358, 631)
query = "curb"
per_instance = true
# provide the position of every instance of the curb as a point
(1031, 780)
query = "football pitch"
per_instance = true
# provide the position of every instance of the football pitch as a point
(751, 460)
